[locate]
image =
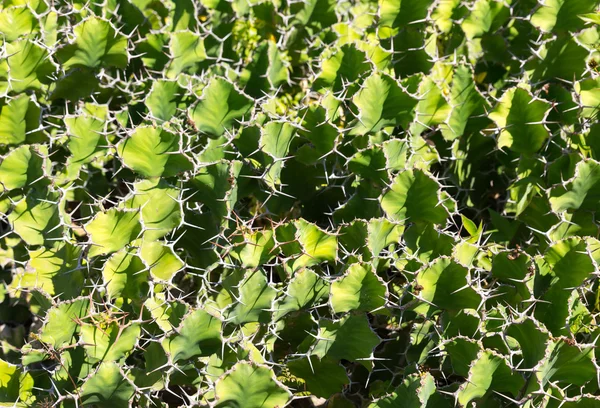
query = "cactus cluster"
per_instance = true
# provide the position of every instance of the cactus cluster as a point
(259, 204)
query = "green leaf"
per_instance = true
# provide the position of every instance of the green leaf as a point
(363, 204)
(304, 290)
(411, 47)
(198, 335)
(350, 338)
(462, 352)
(159, 207)
(414, 392)
(153, 46)
(54, 271)
(443, 14)
(359, 289)
(276, 138)
(220, 108)
(567, 365)
(559, 15)
(153, 152)
(76, 84)
(370, 164)
(23, 167)
(564, 267)
(581, 192)
(381, 102)
(184, 15)
(199, 242)
(74, 366)
(152, 376)
(254, 302)
(112, 230)
(187, 49)
(381, 234)
(167, 315)
(164, 99)
(465, 102)
(490, 373)
(513, 270)
(125, 276)
(396, 14)
(317, 14)
(563, 58)
(345, 66)
(445, 286)
(413, 197)
(36, 218)
(161, 260)
(319, 133)
(18, 119)
(87, 138)
(531, 339)
(109, 343)
(323, 377)
(278, 72)
(211, 186)
(61, 322)
(520, 118)
(29, 66)
(250, 386)
(380, 203)
(253, 249)
(15, 385)
(352, 238)
(588, 91)
(97, 43)
(17, 21)
(107, 388)
(317, 245)
(396, 154)
(432, 108)
(484, 16)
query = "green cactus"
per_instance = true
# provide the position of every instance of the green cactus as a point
(235, 203)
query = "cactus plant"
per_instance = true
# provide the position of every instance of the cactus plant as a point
(251, 203)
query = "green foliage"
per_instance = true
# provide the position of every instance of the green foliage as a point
(153, 152)
(199, 334)
(250, 203)
(249, 386)
(359, 289)
(107, 387)
(220, 108)
(96, 44)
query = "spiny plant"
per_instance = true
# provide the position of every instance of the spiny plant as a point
(259, 204)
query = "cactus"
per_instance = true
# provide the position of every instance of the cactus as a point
(235, 203)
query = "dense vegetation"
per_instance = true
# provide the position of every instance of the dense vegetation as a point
(257, 204)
